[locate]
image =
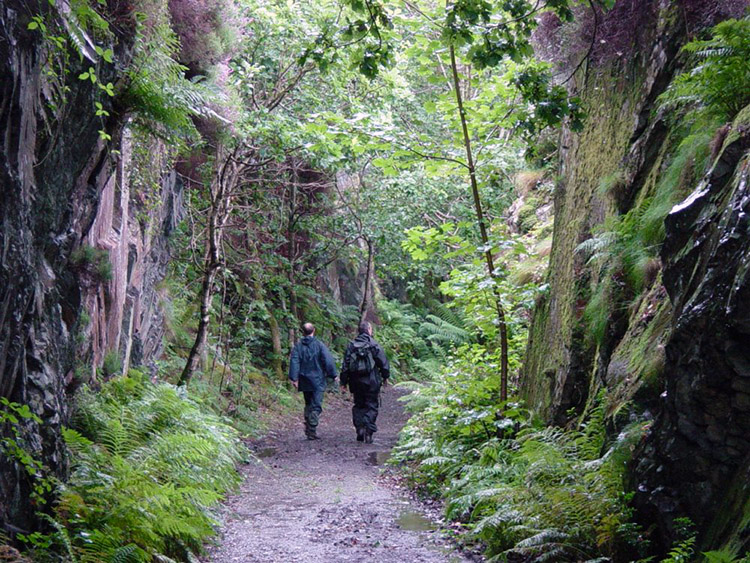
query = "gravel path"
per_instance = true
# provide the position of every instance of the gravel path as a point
(327, 500)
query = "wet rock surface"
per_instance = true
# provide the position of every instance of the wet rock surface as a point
(53, 168)
(329, 500)
(695, 460)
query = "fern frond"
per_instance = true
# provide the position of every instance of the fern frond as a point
(130, 553)
(448, 314)
(503, 516)
(62, 533)
(437, 330)
(543, 538)
(147, 474)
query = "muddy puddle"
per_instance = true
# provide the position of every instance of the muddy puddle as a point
(267, 452)
(413, 521)
(378, 458)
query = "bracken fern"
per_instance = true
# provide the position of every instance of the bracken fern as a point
(149, 464)
(528, 493)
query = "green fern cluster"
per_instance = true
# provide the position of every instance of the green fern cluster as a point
(163, 99)
(443, 332)
(418, 342)
(148, 466)
(527, 493)
(720, 73)
(453, 416)
(723, 556)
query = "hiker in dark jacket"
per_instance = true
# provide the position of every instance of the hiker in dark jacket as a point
(309, 365)
(365, 385)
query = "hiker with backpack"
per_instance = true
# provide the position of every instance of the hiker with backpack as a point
(365, 368)
(309, 365)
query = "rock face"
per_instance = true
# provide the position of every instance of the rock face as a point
(134, 228)
(676, 353)
(80, 255)
(695, 460)
(621, 144)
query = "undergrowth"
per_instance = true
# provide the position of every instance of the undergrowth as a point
(149, 465)
(526, 492)
(416, 341)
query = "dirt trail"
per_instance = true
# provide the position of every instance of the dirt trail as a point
(326, 500)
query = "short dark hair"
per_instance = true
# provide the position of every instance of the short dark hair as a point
(364, 326)
(308, 329)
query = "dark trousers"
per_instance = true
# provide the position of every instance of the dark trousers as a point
(365, 409)
(313, 408)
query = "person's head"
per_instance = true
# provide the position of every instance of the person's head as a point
(308, 329)
(365, 328)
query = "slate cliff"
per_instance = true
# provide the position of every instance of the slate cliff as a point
(80, 251)
(671, 352)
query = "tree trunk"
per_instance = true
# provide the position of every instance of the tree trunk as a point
(483, 230)
(222, 191)
(366, 302)
(206, 295)
(273, 325)
(292, 246)
(278, 353)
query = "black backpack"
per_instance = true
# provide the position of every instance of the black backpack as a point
(360, 362)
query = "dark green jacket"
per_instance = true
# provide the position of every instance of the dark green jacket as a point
(382, 369)
(310, 363)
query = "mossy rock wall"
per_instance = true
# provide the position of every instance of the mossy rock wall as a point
(675, 352)
(620, 140)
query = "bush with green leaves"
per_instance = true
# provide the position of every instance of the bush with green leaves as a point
(452, 416)
(719, 72)
(527, 492)
(416, 341)
(149, 466)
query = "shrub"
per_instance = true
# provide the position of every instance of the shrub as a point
(149, 463)
(529, 494)
(399, 334)
(93, 262)
(719, 74)
(111, 364)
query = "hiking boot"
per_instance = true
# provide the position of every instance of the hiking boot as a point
(311, 432)
(368, 437)
(360, 434)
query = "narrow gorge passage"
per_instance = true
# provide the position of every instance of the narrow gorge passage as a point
(326, 500)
